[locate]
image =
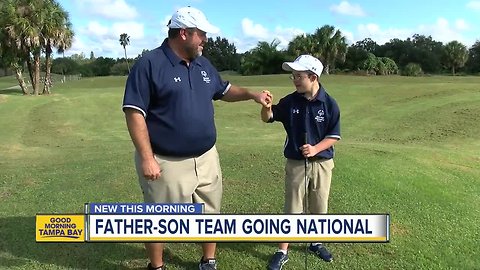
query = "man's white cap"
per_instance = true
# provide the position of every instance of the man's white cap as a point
(189, 17)
(304, 62)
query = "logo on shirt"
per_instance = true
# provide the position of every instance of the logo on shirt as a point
(320, 116)
(295, 110)
(177, 79)
(206, 79)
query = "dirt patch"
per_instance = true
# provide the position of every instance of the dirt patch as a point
(398, 229)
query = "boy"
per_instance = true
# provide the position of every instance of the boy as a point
(311, 119)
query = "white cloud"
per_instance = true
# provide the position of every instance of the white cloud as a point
(442, 30)
(103, 40)
(345, 8)
(348, 35)
(96, 29)
(379, 35)
(109, 9)
(133, 29)
(253, 30)
(253, 33)
(475, 5)
(461, 24)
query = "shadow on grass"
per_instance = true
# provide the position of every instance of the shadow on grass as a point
(18, 249)
(11, 91)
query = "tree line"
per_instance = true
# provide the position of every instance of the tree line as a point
(413, 56)
(31, 30)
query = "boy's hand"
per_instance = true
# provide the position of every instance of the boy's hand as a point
(308, 150)
(268, 100)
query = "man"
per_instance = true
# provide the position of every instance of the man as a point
(170, 118)
(311, 119)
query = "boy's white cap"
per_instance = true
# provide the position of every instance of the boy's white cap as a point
(304, 62)
(189, 17)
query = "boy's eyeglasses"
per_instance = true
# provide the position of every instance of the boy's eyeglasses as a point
(297, 77)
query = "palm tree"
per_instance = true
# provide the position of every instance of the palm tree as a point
(25, 29)
(325, 44)
(21, 37)
(9, 52)
(124, 41)
(56, 32)
(456, 55)
(331, 46)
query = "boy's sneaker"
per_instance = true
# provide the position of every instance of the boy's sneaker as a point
(277, 261)
(209, 264)
(150, 267)
(321, 252)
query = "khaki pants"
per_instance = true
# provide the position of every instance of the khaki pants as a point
(185, 180)
(319, 177)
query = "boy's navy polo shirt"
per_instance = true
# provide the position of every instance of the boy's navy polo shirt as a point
(318, 118)
(176, 101)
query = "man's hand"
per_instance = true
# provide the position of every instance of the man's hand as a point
(151, 169)
(263, 98)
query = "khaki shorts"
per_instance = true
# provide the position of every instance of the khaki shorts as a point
(185, 180)
(319, 177)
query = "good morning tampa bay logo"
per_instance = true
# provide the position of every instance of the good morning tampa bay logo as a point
(60, 228)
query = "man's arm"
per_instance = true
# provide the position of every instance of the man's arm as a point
(236, 93)
(137, 127)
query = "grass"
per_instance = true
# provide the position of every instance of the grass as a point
(409, 148)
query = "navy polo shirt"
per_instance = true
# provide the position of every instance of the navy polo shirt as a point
(176, 100)
(318, 119)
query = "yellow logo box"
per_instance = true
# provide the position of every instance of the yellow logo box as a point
(60, 228)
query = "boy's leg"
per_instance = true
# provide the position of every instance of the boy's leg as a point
(293, 204)
(319, 191)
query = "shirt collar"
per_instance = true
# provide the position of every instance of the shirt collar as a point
(174, 58)
(321, 94)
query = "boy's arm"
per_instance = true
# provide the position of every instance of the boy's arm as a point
(266, 113)
(311, 150)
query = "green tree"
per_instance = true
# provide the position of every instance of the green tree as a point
(56, 32)
(21, 23)
(330, 46)
(370, 64)
(263, 59)
(221, 53)
(412, 69)
(326, 44)
(65, 66)
(124, 41)
(301, 44)
(473, 62)
(390, 65)
(456, 55)
(367, 45)
(28, 28)
(12, 51)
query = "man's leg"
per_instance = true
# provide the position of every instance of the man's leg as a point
(209, 192)
(155, 253)
(209, 250)
(176, 184)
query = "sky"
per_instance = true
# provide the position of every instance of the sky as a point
(99, 23)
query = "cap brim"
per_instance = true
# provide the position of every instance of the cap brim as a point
(209, 28)
(291, 66)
